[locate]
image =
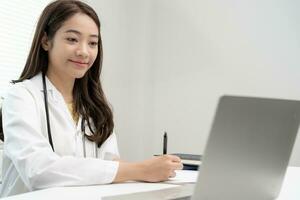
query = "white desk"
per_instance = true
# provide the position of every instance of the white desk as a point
(290, 191)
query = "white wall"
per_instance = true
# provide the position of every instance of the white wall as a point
(208, 48)
(167, 62)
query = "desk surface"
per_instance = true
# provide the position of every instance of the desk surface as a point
(145, 191)
(289, 191)
(182, 192)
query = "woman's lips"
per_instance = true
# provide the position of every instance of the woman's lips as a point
(79, 63)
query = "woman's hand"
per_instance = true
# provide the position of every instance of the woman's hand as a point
(160, 168)
(156, 169)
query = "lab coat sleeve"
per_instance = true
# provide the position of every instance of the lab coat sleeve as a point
(38, 166)
(109, 149)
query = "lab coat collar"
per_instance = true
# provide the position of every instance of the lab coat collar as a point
(56, 96)
(51, 89)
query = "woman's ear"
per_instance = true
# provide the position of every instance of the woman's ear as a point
(45, 42)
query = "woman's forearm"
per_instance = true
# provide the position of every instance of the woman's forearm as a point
(156, 169)
(128, 172)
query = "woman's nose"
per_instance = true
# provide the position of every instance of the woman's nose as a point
(82, 51)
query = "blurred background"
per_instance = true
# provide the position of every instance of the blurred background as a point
(166, 63)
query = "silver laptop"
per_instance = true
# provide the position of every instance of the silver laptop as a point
(248, 149)
(246, 155)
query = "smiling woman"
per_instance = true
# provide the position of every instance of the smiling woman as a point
(74, 48)
(71, 52)
(57, 123)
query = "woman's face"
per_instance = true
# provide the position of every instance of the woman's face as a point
(74, 47)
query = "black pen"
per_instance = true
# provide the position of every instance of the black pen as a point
(165, 147)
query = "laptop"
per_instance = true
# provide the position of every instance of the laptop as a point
(248, 150)
(247, 153)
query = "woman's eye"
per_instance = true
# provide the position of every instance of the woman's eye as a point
(71, 40)
(93, 44)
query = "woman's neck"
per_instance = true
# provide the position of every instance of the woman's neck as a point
(63, 84)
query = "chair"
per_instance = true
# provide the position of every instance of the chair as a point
(1, 127)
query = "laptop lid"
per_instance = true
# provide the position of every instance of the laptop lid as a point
(248, 149)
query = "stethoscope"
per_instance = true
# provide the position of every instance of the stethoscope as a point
(48, 122)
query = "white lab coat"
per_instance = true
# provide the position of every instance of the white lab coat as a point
(28, 160)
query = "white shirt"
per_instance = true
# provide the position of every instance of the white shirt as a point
(29, 162)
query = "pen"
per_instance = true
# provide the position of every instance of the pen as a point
(165, 143)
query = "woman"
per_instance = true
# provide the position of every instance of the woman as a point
(57, 124)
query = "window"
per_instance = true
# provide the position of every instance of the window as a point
(18, 20)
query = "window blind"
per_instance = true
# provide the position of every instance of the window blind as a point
(17, 25)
